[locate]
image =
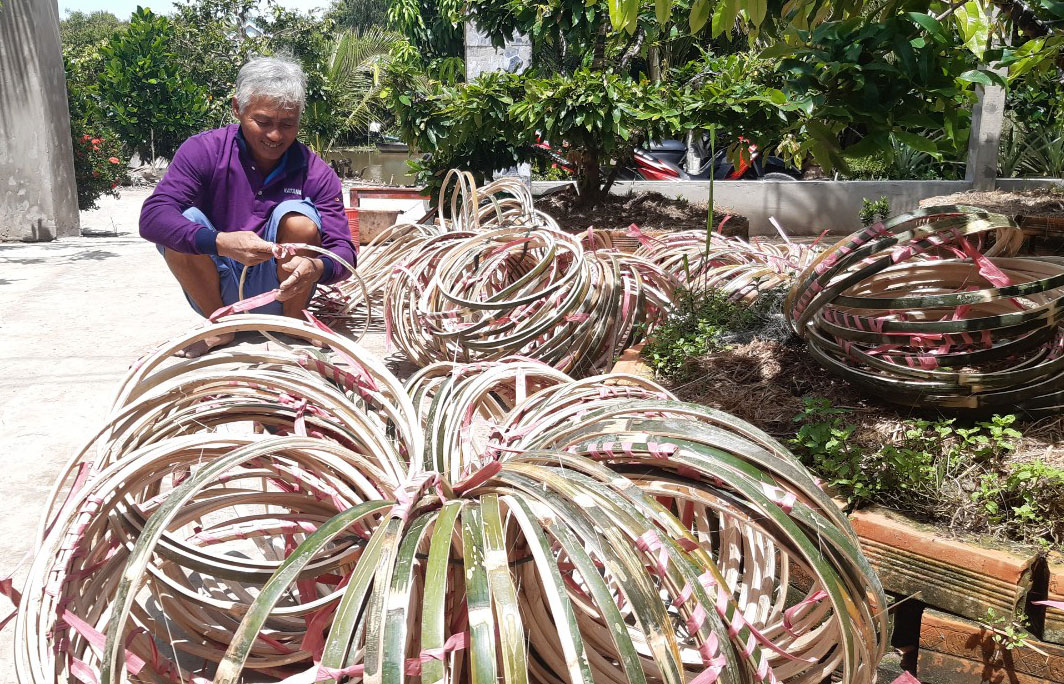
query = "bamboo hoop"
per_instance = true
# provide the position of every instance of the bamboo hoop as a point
(931, 310)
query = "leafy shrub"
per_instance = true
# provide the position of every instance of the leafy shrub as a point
(697, 326)
(465, 126)
(873, 211)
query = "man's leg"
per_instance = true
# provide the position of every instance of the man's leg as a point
(298, 227)
(198, 276)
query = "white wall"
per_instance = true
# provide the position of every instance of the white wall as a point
(802, 207)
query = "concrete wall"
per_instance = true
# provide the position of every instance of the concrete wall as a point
(1014, 184)
(801, 207)
(38, 197)
(482, 56)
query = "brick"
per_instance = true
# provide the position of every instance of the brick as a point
(1054, 623)
(958, 577)
(957, 651)
(631, 363)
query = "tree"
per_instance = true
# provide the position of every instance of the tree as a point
(355, 71)
(211, 44)
(433, 27)
(359, 15)
(148, 102)
(993, 34)
(80, 31)
(82, 36)
(594, 93)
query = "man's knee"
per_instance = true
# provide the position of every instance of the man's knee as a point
(296, 227)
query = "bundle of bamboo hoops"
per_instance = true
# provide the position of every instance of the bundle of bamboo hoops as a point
(534, 292)
(931, 309)
(300, 516)
(739, 268)
(498, 277)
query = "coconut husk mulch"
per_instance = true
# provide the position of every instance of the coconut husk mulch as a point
(648, 210)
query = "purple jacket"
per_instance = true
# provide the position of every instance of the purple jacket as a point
(213, 172)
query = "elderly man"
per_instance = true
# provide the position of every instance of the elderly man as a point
(231, 193)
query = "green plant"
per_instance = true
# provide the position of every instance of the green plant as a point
(1026, 499)
(696, 326)
(354, 69)
(887, 79)
(600, 116)
(465, 126)
(359, 15)
(1028, 150)
(82, 36)
(148, 103)
(871, 211)
(212, 40)
(825, 442)
(1008, 632)
(926, 467)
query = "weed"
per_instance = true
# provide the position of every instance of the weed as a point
(695, 327)
(1009, 632)
(924, 468)
(873, 211)
(1026, 499)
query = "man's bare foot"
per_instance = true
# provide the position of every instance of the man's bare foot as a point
(200, 348)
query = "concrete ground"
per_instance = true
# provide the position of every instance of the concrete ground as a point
(73, 315)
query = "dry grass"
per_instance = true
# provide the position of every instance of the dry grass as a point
(764, 382)
(1036, 202)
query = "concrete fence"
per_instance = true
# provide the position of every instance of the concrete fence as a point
(804, 207)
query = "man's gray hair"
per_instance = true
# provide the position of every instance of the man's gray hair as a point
(274, 78)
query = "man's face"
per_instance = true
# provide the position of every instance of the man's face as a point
(268, 128)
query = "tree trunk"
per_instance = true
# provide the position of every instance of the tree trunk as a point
(598, 63)
(654, 58)
(1023, 17)
(588, 178)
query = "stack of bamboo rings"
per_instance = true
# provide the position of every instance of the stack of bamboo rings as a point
(932, 309)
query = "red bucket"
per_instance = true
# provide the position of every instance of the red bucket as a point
(352, 223)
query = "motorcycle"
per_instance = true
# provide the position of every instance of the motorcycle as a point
(667, 160)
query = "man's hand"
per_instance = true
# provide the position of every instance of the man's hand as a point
(244, 246)
(303, 272)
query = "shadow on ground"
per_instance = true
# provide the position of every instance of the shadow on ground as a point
(73, 257)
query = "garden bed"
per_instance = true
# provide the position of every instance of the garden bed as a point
(1039, 212)
(996, 475)
(946, 568)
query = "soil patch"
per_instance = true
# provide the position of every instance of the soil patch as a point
(648, 210)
